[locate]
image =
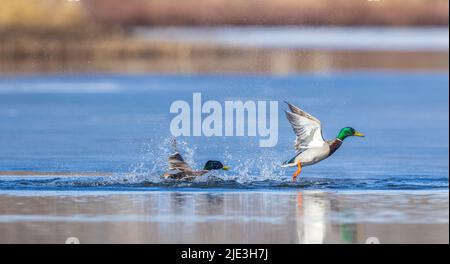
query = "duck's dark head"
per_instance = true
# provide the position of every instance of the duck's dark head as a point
(215, 165)
(348, 132)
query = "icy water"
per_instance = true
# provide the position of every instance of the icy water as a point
(82, 155)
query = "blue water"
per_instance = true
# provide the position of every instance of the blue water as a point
(118, 125)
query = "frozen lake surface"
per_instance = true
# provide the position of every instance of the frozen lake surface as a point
(224, 217)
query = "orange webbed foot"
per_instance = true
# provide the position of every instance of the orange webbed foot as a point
(297, 172)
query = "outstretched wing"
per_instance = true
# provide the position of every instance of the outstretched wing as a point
(307, 128)
(176, 162)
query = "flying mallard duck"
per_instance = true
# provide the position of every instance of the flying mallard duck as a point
(180, 170)
(309, 144)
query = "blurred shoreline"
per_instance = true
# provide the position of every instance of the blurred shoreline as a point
(222, 36)
(218, 36)
(274, 50)
(239, 61)
(268, 12)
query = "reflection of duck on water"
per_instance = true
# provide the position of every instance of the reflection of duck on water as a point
(180, 170)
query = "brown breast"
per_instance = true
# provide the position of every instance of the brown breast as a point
(334, 145)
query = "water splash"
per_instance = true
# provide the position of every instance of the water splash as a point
(214, 181)
(252, 171)
(154, 161)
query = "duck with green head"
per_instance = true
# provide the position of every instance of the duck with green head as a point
(309, 144)
(180, 170)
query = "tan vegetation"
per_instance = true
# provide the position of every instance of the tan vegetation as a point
(59, 35)
(62, 14)
(41, 14)
(269, 12)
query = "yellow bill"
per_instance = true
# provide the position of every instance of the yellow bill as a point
(358, 134)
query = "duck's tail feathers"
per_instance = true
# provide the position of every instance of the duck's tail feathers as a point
(289, 163)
